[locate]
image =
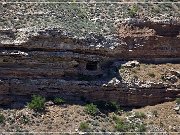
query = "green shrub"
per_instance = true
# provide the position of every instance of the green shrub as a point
(113, 106)
(37, 103)
(58, 100)
(108, 106)
(178, 100)
(140, 115)
(91, 109)
(114, 117)
(84, 126)
(141, 128)
(151, 75)
(133, 11)
(2, 118)
(120, 126)
(155, 10)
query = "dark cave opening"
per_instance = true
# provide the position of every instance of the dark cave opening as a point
(91, 66)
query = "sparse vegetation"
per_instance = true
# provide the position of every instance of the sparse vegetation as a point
(84, 126)
(124, 126)
(59, 100)
(141, 128)
(91, 109)
(155, 10)
(2, 118)
(151, 75)
(140, 115)
(119, 124)
(113, 106)
(133, 11)
(108, 106)
(37, 103)
(178, 100)
(149, 72)
(115, 117)
(60, 116)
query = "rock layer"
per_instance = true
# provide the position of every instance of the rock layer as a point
(53, 63)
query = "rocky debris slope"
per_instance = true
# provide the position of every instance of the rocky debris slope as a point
(69, 118)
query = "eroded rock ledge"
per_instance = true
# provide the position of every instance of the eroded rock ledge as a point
(52, 62)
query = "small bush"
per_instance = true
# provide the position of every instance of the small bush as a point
(91, 109)
(58, 100)
(114, 117)
(151, 75)
(140, 115)
(84, 126)
(123, 126)
(119, 124)
(120, 127)
(108, 106)
(37, 103)
(141, 128)
(113, 106)
(178, 100)
(2, 118)
(133, 11)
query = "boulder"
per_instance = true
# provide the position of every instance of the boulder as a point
(176, 73)
(131, 64)
(172, 78)
(177, 108)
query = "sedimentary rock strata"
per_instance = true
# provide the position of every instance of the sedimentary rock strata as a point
(53, 63)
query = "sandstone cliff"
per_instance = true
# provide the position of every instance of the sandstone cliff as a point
(75, 50)
(53, 62)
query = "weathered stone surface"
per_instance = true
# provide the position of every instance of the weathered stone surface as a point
(4, 88)
(93, 91)
(131, 64)
(176, 73)
(51, 64)
(177, 108)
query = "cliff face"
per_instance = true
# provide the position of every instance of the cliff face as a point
(53, 63)
(151, 39)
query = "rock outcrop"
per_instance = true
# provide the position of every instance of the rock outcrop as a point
(52, 63)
